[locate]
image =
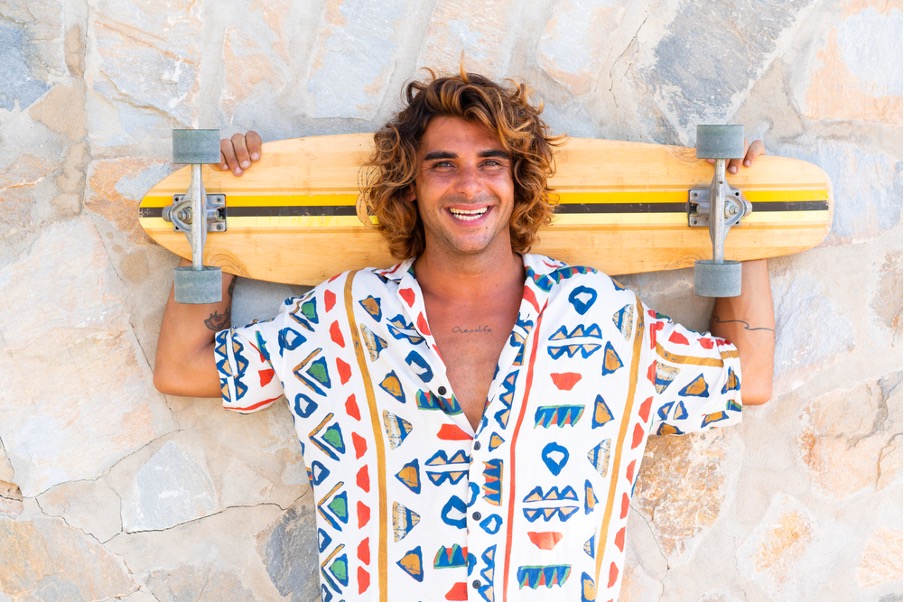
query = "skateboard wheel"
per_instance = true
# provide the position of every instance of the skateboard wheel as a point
(720, 141)
(196, 146)
(713, 279)
(198, 286)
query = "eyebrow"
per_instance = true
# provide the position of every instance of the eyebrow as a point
(434, 155)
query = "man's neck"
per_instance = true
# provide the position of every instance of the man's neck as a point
(466, 280)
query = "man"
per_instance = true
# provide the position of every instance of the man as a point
(472, 419)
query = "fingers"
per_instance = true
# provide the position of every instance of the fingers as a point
(254, 142)
(239, 152)
(755, 149)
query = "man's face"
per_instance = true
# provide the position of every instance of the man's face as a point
(464, 189)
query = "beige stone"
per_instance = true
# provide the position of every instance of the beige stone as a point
(572, 45)
(250, 67)
(198, 583)
(27, 171)
(57, 562)
(66, 205)
(142, 74)
(91, 506)
(11, 504)
(783, 540)
(846, 437)
(637, 586)
(6, 471)
(682, 487)
(116, 187)
(462, 32)
(198, 552)
(881, 559)
(890, 460)
(773, 554)
(351, 38)
(888, 300)
(75, 51)
(57, 110)
(841, 87)
(265, 468)
(72, 412)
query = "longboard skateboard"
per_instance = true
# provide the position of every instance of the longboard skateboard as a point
(624, 208)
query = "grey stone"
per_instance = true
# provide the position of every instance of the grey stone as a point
(867, 187)
(18, 84)
(711, 54)
(802, 308)
(171, 488)
(289, 550)
(870, 42)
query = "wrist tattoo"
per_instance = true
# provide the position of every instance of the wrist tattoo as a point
(217, 321)
(747, 325)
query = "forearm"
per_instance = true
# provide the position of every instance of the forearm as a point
(748, 321)
(185, 360)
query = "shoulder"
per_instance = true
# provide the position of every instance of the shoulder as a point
(353, 284)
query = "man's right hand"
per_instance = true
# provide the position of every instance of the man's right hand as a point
(239, 152)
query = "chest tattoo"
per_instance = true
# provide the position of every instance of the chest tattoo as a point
(479, 330)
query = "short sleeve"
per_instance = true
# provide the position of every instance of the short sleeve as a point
(248, 380)
(696, 378)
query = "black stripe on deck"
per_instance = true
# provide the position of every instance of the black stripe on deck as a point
(564, 208)
(606, 208)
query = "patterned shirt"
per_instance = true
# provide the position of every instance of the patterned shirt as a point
(411, 502)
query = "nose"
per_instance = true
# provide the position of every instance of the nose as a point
(469, 183)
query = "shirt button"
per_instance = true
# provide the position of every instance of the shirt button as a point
(476, 516)
(441, 390)
(475, 584)
(476, 445)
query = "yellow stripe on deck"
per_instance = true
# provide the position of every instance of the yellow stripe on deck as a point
(659, 197)
(566, 197)
(267, 200)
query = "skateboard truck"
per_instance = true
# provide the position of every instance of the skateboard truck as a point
(720, 207)
(196, 283)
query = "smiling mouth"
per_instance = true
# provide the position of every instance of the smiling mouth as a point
(468, 214)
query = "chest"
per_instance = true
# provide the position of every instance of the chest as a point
(470, 340)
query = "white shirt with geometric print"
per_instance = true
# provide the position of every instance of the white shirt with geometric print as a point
(414, 504)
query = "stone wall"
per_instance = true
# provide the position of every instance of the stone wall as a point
(110, 490)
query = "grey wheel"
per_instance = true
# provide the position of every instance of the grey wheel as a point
(198, 286)
(713, 279)
(720, 141)
(196, 146)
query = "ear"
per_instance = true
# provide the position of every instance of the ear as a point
(409, 195)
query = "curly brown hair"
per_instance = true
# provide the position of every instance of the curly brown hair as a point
(507, 111)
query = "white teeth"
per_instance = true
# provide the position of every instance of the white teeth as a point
(467, 215)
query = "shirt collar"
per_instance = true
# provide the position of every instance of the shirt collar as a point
(540, 276)
(536, 267)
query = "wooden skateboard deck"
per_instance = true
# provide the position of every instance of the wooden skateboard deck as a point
(291, 218)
